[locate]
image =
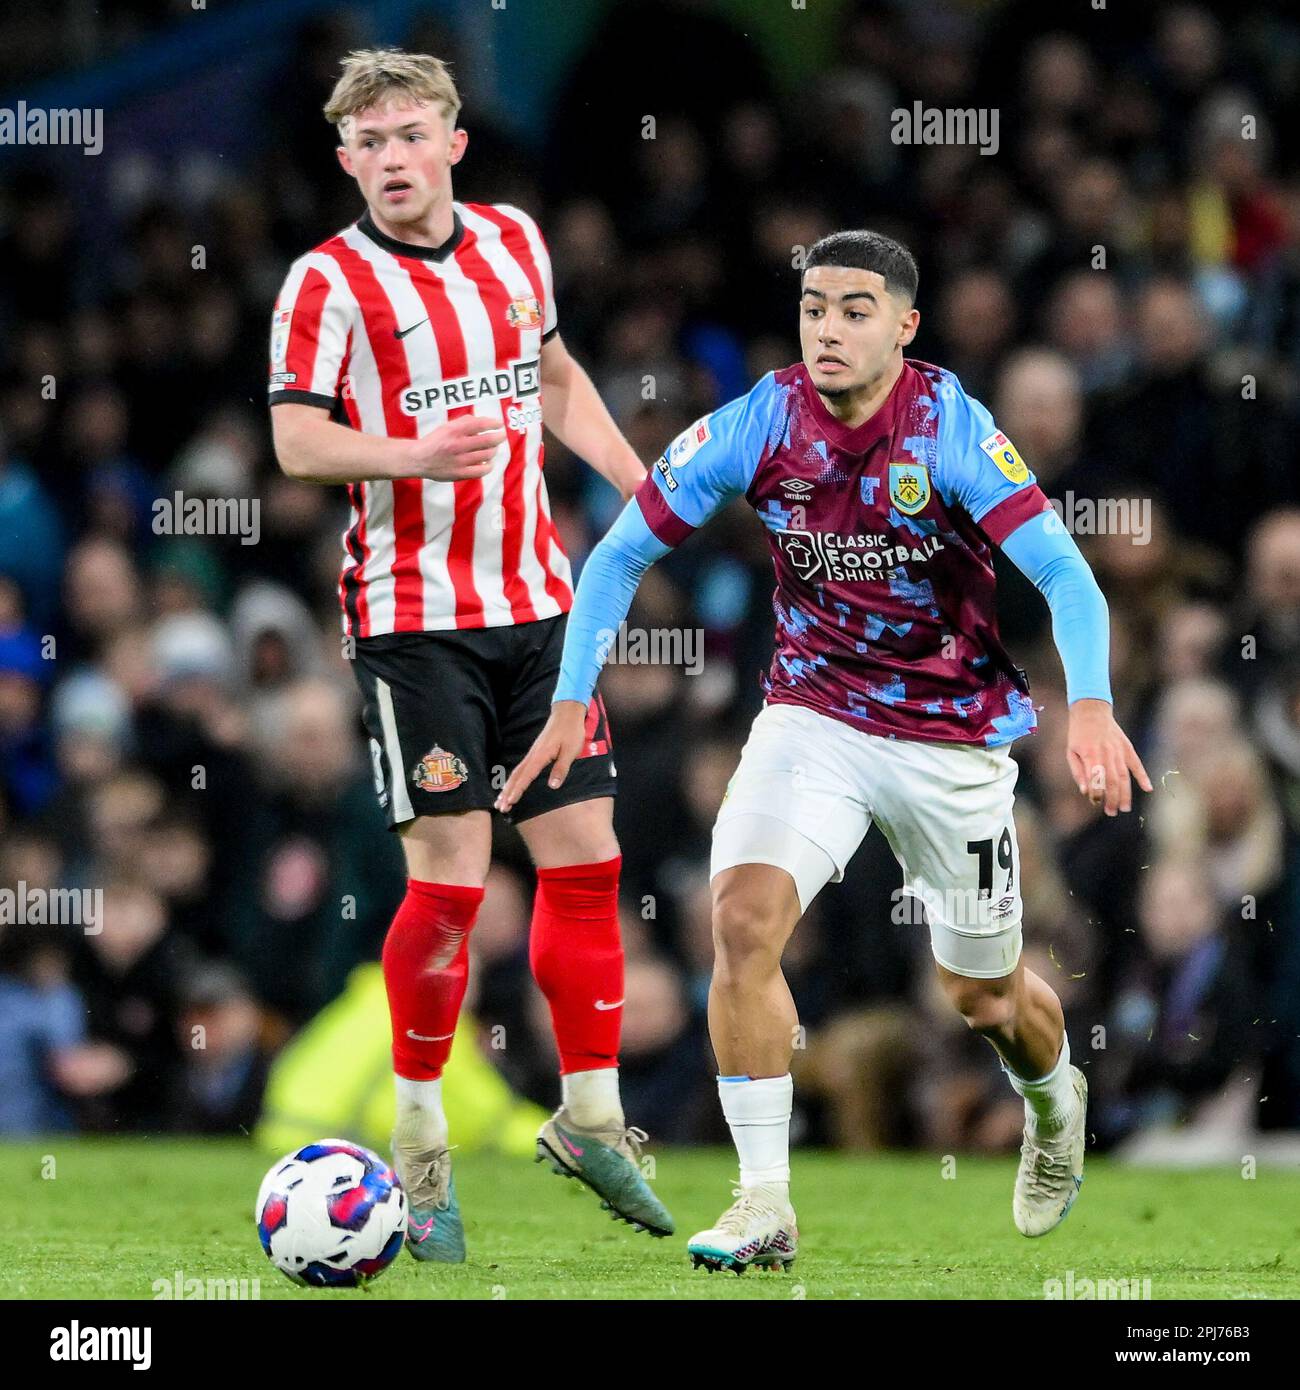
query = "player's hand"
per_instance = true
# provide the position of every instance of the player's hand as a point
(462, 448)
(559, 743)
(1101, 757)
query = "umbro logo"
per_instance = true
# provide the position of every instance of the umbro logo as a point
(400, 333)
(796, 488)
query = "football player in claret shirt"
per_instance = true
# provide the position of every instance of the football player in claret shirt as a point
(883, 487)
(414, 357)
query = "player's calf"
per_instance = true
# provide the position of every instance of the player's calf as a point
(1021, 1016)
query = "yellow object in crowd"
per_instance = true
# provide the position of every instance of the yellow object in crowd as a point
(335, 1080)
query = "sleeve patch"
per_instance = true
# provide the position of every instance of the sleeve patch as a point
(1003, 452)
(683, 448)
(667, 474)
(280, 337)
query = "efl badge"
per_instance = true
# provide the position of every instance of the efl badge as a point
(524, 313)
(439, 771)
(684, 446)
(1003, 452)
(280, 338)
(909, 487)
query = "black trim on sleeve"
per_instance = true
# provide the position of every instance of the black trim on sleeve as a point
(549, 334)
(288, 396)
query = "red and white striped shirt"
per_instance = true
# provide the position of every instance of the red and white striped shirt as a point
(397, 339)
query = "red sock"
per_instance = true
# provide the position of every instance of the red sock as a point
(426, 962)
(577, 958)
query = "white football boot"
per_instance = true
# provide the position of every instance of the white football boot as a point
(1051, 1170)
(757, 1229)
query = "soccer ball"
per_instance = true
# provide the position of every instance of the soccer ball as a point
(332, 1215)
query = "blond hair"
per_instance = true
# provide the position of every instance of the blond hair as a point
(373, 76)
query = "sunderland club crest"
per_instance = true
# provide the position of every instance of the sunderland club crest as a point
(439, 771)
(524, 313)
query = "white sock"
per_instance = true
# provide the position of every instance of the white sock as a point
(420, 1117)
(758, 1115)
(1050, 1102)
(592, 1099)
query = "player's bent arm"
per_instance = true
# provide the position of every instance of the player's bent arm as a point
(604, 595)
(312, 448)
(574, 412)
(1100, 754)
(1045, 553)
(720, 452)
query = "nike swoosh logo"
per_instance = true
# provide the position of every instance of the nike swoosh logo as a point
(425, 1228)
(617, 1004)
(400, 333)
(420, 1037)
(568, 1144)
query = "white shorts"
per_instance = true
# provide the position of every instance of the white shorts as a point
(808, 788)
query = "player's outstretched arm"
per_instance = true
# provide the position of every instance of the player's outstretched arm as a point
(574, 412)
(605, 592)
(311, 447)
(701, 471)
(1100, 754)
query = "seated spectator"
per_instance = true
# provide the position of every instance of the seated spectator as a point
(223, 1062)
(1182, 1016)
(130, 973)
(45, 1060)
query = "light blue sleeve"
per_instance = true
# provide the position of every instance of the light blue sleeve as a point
(605, 591)
(978, 467)
(711, 462)
(699, 473)
(1045, 552)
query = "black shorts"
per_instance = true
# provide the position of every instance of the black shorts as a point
(451, 714)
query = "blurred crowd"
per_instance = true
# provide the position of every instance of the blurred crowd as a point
(179, 729)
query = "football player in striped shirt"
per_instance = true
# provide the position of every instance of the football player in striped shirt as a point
(891, 700)
(414, 357)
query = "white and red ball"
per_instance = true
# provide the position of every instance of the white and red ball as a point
(332, 1215)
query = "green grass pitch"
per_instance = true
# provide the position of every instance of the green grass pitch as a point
(119, 1214)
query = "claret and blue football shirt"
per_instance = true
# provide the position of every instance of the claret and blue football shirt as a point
(881, 539)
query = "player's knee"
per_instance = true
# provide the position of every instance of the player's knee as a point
(747, 933)
(988, 1006)
(456, 848)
